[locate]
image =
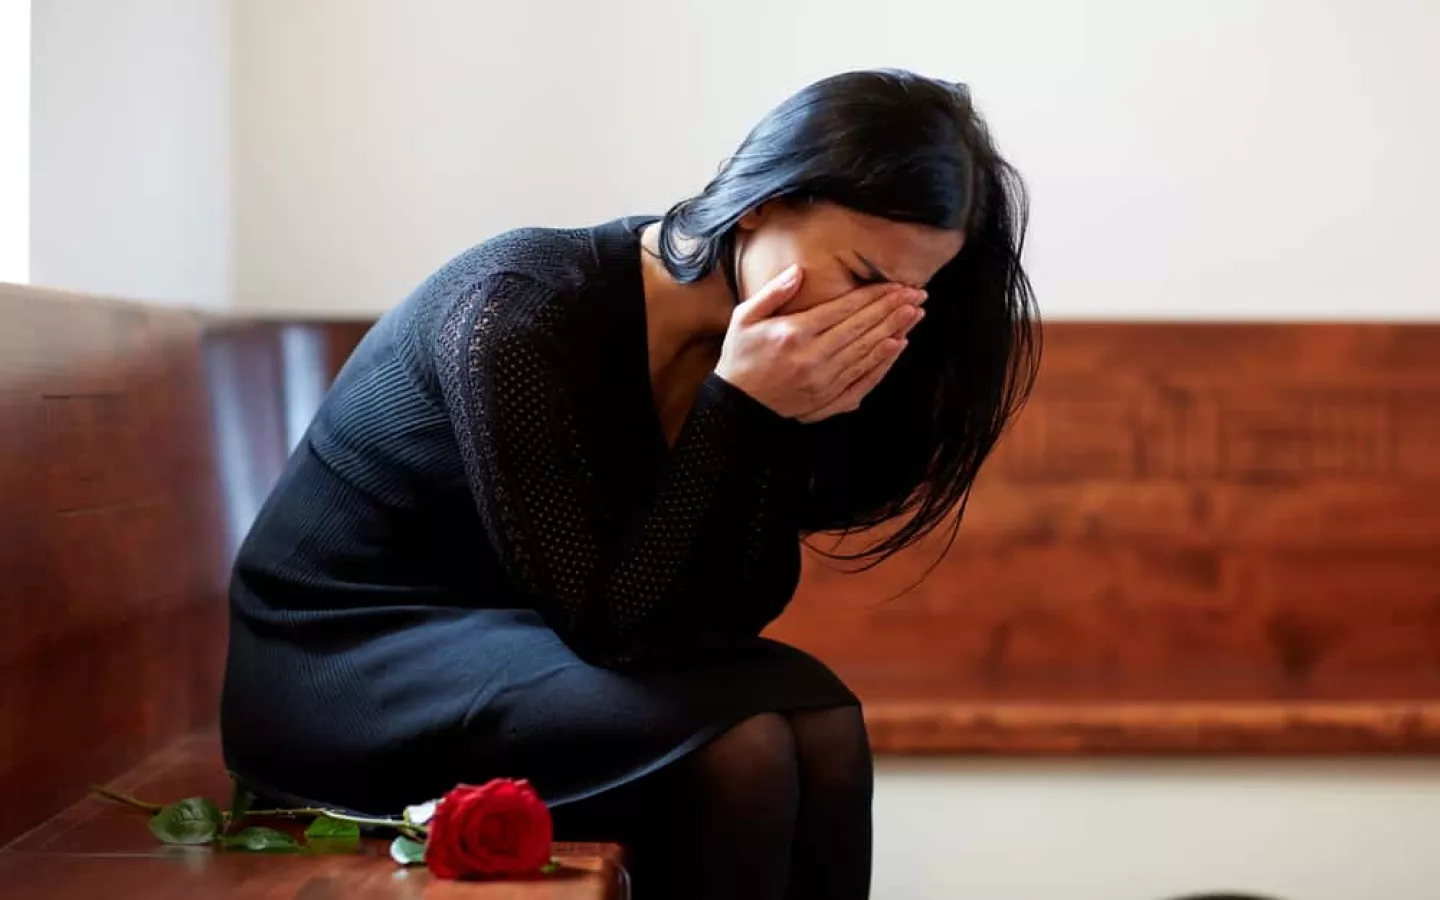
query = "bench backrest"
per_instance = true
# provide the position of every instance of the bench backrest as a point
(112, 563)
(136, 444)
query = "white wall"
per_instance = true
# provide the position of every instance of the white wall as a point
(15, 140)
(1224, 159)
(1147, 830)
(130, 175)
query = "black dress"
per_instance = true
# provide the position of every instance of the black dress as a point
(483, 559)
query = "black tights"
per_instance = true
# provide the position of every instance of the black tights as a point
(776, 808)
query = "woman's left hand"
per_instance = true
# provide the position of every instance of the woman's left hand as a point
(864, 360)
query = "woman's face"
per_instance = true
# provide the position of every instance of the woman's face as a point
(838, 248)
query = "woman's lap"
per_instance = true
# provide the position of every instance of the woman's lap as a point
(577, 730)
(468, 695)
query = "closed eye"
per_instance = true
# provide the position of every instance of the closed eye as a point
(860, 278)
(873, 275)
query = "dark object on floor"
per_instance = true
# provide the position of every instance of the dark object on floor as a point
(1225, 897)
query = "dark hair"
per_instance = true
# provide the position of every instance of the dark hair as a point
(899, 146)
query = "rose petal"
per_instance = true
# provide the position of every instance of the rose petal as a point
(421, 813)
(499, 828)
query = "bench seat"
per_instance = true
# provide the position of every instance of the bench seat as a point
(100, 848)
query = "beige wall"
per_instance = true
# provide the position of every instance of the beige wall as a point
(1224, 159)
(1147, 829)
(14, 140)
(130, 137)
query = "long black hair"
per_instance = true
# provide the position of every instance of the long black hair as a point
(903, 147)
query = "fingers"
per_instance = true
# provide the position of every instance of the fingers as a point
(880, 360)
(853, 338)
(861, 347)
(768, 300)
(822, 373)
(827, 315)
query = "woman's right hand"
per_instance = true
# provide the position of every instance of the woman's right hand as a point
(820, 362)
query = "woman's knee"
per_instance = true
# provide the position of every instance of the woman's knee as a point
(833, 744)
(756, 757)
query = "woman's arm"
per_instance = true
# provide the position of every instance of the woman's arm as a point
(617, 584)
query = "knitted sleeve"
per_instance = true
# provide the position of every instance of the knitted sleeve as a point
(707, 553)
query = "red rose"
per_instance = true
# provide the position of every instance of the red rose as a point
(499, 828)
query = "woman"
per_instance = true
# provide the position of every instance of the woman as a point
(555, 496)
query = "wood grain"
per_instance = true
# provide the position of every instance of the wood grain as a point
(266, 381)
(1197, 538)
(100, 848)
(187, 875)
(1303, 728)
(112, 611)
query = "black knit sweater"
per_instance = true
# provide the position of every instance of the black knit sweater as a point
(493, 443)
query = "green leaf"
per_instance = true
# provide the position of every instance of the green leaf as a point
(193, 820)
(326, 846)
(326, 827)
(407, 852)
(327, 835)
(261, 840)
(553, 866)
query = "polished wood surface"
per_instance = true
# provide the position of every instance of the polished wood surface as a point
(266, 381)
(98, 848)
(112, 570)
(1155, 728)
(196, 874)
(1197, 538)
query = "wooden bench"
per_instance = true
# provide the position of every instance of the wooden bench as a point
(98, 848)
(1199, 538)
(135, 442)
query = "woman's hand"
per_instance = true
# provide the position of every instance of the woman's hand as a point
(820, 362)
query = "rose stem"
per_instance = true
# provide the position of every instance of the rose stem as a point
(127, 800)
(398, 824)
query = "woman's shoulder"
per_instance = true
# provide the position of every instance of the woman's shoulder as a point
(557, 284)
(555, 262)
(554, 258)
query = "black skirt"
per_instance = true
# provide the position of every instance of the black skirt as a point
(456, 696)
